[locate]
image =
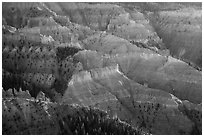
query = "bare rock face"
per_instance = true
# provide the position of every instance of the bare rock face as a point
(101, 68)
(172, 75)
(111, 18)
(153, 109)
(106, 43)
(95, 16)
(169, 74)
(108, 17)
(181, 33)
(124, 26)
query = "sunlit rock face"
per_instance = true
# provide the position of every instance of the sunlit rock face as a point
(181, 31)
(106, 43)
(173, 76)
(96, 16)
(38, 18)
(110, 44)
(153, 109)
(109, 57)
(111, 18)
(169, 74)
(124, 26)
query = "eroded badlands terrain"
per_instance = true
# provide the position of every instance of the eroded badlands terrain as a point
(102, 68)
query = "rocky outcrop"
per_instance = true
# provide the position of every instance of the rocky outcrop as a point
(24, 115)
(111, 18)
(165, 73)
(108, 44)
(133, 27)
(181, 32)
(104, 66)
(95, 16)
(141, 106)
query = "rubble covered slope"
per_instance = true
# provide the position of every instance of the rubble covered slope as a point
(101, 68)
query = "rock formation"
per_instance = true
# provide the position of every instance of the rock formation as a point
(101, 68)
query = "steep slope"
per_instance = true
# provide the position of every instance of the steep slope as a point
(23, 115)
(166, 73)
(181, 32)
(95, 16)
(108, 89)
(111, 18)
(104, 65)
